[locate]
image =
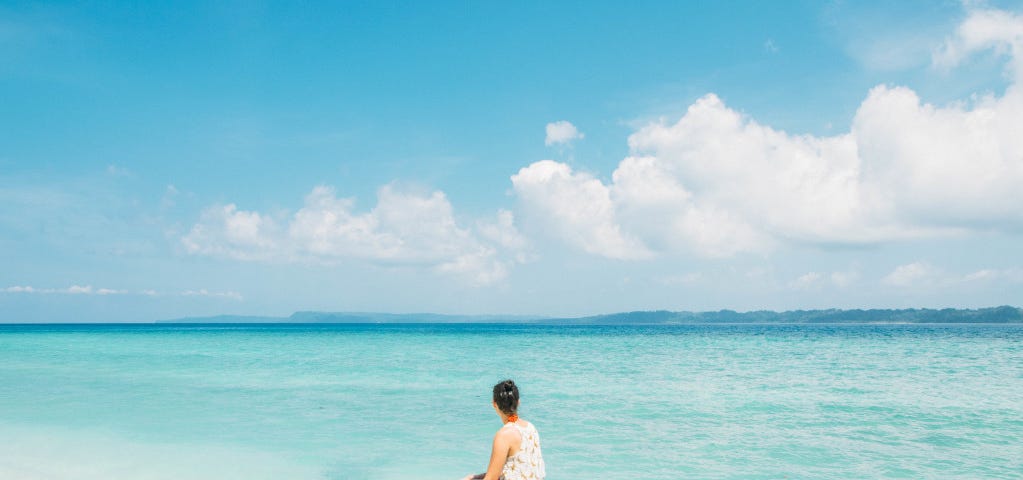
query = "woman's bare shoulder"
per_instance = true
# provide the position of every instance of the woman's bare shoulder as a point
(507, 432)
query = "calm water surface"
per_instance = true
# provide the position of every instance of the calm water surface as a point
(412, 401)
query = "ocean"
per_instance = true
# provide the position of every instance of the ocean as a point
(413, 401)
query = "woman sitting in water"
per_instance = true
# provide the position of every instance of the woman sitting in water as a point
(516, 454)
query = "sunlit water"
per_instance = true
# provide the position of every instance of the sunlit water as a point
(413, 401)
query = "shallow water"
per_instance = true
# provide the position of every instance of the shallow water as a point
(394, 401)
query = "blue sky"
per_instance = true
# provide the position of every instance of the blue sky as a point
(164, 160)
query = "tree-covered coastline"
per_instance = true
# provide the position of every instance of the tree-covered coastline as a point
(1002, 314)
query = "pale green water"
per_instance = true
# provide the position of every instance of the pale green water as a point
(382, 402)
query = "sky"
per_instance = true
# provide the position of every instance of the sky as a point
(162, 160)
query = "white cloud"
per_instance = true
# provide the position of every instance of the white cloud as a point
(958, 166)
(985, 29)
(816, 280)
(923, 274)
(843, 279)
(478, 266)
(74, 289)
(169, 196)
(79, 289)
(913, 275)
(110, 291)
(1012, 275)
(89, 290)
(981, 275)
(562, 133)
(206, 293)
(809, 280)
(20, 289)
(117, 171)
(502, 232)
(404, 228)
(226, 231)
(576, 207)
(718, 183)
(899, 49)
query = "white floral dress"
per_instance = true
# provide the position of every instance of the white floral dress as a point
(527, 463)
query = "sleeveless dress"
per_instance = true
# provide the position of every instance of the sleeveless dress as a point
(527, 464)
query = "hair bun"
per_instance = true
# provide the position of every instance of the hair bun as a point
(506, 396)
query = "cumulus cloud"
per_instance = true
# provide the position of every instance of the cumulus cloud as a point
(502, 232)
(226, 231)
(717, 182)
(576, 207)
(404, 228)
(562, 133)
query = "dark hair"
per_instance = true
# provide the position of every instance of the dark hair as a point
(506, 396)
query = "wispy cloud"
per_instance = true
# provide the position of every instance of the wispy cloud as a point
(807, 280)
(90, 290)
(169, 198)
(892, 37)
(915, 274)
(72, 290)
(817, 280)
(206, 293)
(1011, 275)
(925, 275)
(985, 29)
(690, 278)
(117, 171)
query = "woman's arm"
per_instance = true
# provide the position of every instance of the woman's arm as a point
(498, 455)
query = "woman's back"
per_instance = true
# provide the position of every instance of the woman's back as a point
(527, 462)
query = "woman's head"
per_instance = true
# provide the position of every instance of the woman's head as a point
(506, 397)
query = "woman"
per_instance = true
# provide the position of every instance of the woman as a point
(516, 453)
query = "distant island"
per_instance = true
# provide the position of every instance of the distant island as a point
(1003, 314)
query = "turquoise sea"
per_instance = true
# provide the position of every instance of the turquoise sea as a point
(413, 401)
